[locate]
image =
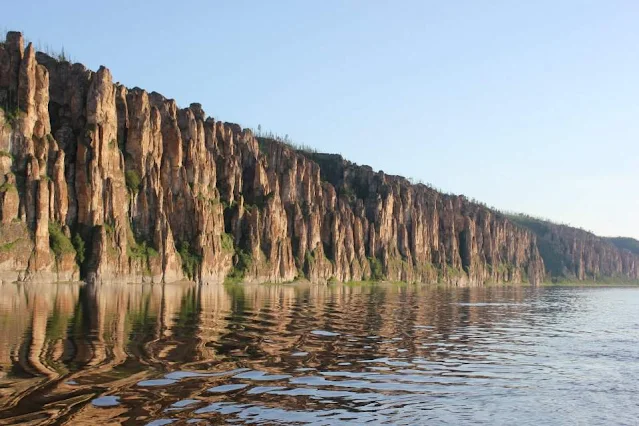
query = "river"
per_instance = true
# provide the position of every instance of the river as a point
(280, 354)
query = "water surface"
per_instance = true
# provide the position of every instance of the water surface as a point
(281, 354)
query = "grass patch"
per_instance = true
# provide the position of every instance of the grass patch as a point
(300, 275)
(454, 272)
(370, 283)
(11, 117)
(191, 260)
(590, 282)
(264, 139)
(109, 227)
(7, 247)
(141, 251)
(78, 244)
(377, 270)
(5, 187)
(243, 265)
(58, 242)
(228, 243)
(233, 278)
(501, 268)
(228, 204)
(308, 257)
(133, 180)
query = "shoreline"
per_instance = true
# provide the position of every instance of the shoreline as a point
(114, 283)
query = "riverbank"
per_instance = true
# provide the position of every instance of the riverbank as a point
(305, 282)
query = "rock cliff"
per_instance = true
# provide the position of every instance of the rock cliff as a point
(105, 183)
(577, 255)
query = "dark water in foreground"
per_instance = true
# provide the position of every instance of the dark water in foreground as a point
(323, 355)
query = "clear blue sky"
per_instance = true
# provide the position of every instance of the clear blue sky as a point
(527, 106)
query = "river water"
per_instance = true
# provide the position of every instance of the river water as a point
(282, 354)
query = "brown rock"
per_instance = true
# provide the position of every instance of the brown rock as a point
(9, 199)
(160, 194)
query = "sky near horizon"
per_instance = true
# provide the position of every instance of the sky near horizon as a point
(527, 106)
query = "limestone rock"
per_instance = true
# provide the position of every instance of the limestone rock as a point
(158, 193)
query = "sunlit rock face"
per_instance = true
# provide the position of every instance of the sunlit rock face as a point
(105, 183)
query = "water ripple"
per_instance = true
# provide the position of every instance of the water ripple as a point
(275, 354)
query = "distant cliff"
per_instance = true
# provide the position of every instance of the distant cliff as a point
(625, 243)
(574, 254)
(104, 183)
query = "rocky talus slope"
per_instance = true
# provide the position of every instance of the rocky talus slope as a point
(105, 183)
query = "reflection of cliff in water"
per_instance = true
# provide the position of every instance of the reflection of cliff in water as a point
(64, 345)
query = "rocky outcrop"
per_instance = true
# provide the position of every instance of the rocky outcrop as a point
(116, 184)
(372, 225)
(625, 243)
(575, 254)
(25, 144)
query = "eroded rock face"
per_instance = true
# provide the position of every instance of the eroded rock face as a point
(351, 223)
(578, 255)
(155, 193)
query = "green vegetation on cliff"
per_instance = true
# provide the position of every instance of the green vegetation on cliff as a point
(282, 209)
(191, 260)
(243, 263)
(7, 247)
(132, 181)
(60, 244)
(573, 254)
(78, 244)
(625, 243)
